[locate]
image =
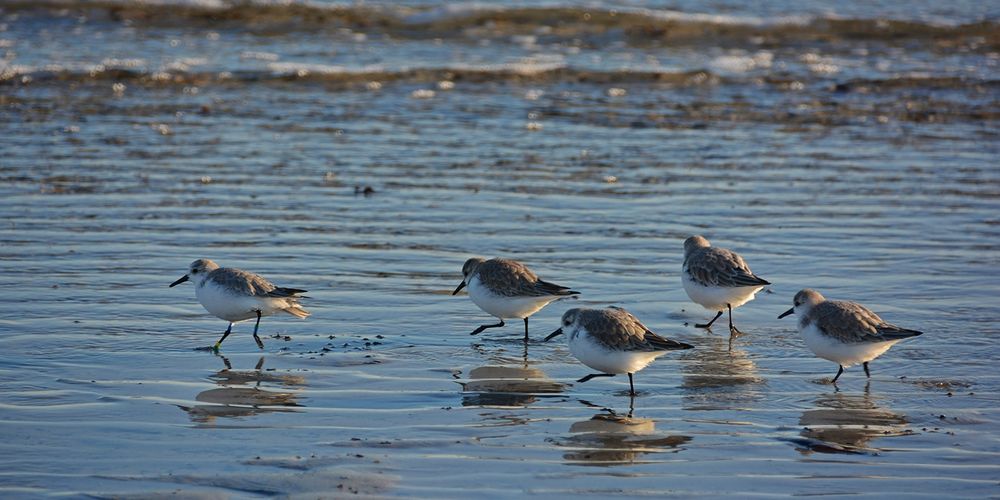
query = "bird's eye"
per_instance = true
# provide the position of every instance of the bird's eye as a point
(194, 271)
(566, 323)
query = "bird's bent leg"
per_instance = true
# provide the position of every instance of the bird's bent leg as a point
(224, 335)
(592, 375)
(255, 327)
(483, 327)
(709, 324)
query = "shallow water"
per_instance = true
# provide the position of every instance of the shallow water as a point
(854, 160)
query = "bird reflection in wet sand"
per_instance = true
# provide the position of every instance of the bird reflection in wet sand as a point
(848, 424)
(609, 438)
(718, 376)
(508, 384)
(233, 400)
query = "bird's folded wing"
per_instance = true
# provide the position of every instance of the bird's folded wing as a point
(720, 267)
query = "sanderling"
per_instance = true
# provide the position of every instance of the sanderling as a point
(846, 333)
(612, 341)
(717, 279)
(507, 289)
(236, 295)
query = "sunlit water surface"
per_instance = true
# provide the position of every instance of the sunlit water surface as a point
(135, 142)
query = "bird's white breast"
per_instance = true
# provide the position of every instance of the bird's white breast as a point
(842, 353)
(231, 306)
(607, 360)
(715, 298)
(503, 306)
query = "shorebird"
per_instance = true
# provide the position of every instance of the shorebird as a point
(506, 288)
(846, 333)
(717, 279)
(236, 295)
(612, 341)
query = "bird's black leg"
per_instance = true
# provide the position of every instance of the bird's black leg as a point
(525, 330)
(592, 375)
(839, 371)
(867, 373)
(483, 327)
(631, 386)
(255, 327)
(224, 335)
(709, 324)
(733, 331)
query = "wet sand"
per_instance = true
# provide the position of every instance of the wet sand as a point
(883, 191)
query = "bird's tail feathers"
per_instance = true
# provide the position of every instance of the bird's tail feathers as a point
(664, 343)
(894, 332)
(297, 311)
(554, 289)
(750, 280)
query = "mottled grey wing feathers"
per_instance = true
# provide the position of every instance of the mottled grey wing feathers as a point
(241, 281)
(249, 283)
(851, 322)
(714, 266)
(618, 329)
(613, 327)
(509, 277)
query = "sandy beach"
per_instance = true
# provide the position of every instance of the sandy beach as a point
(364, 152)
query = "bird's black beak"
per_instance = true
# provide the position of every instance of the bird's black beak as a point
(179, 281)
(553, 335)
(786, 313)
(460, 286)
